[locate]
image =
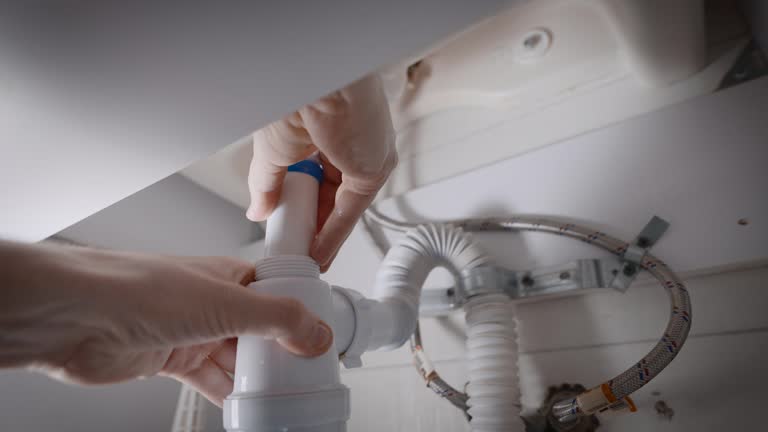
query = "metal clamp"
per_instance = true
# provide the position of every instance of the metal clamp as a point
(632, 258)
(608, 273)
(572, 276)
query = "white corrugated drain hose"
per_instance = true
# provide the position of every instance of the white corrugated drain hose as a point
(190, 411)
(492, 339)
(406, 266)
(493, 388)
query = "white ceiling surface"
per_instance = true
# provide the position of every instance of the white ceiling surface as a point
(602, 67)
(101, 99)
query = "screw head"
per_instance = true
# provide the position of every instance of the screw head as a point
(527, 281)
(629, 270)
(532, 41)
(565, 275)
(533, 45)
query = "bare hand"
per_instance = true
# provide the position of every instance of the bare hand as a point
(352, 129)
(96, 317)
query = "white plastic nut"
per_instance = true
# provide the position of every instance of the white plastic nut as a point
(351, 358)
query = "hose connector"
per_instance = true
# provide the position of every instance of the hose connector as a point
(596, 400)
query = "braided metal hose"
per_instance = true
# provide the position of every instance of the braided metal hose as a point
(434, 381)
(614, 392)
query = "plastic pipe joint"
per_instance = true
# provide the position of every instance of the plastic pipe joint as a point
(274, 390)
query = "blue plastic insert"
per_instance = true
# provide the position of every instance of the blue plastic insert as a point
(309, 167)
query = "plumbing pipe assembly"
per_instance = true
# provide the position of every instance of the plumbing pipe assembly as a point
(276, 391)
(614, 393)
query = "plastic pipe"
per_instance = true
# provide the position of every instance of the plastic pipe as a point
(404, 270)
(274, 390)
(344, 322)
(190, 411)
(492, 338)
(493, 389)
(293, 223)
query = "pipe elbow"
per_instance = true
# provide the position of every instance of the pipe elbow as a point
(405, 269)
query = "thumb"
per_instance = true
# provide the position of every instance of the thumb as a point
(305, 334)
(265, 182)
(287, 319)
(275, 147)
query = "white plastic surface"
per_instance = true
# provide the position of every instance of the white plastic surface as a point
(275, 390)
(481, 98)
(343, 321)
(292, 225)
(263, 366)
(661, 41)
(324, 411)
(540, 51)
(270, 380)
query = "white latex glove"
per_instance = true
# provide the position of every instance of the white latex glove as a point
(352, 129)
(94, 317)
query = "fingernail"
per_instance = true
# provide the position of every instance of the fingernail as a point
(322, 337)
(252, 214)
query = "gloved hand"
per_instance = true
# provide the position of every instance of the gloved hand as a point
(352, 129)
(94, 316)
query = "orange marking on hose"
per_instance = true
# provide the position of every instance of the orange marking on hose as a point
(607, 392)
(631, 404)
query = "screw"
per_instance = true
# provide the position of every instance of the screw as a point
(643, 242)
(565, 275)
(663, 410)
(450, 292)
(532, 41)
(410, 73)
(743, 222)
(527, 281)
(629, 270)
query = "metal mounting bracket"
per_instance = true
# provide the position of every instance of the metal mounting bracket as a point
(632, 257)
(615, 273)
